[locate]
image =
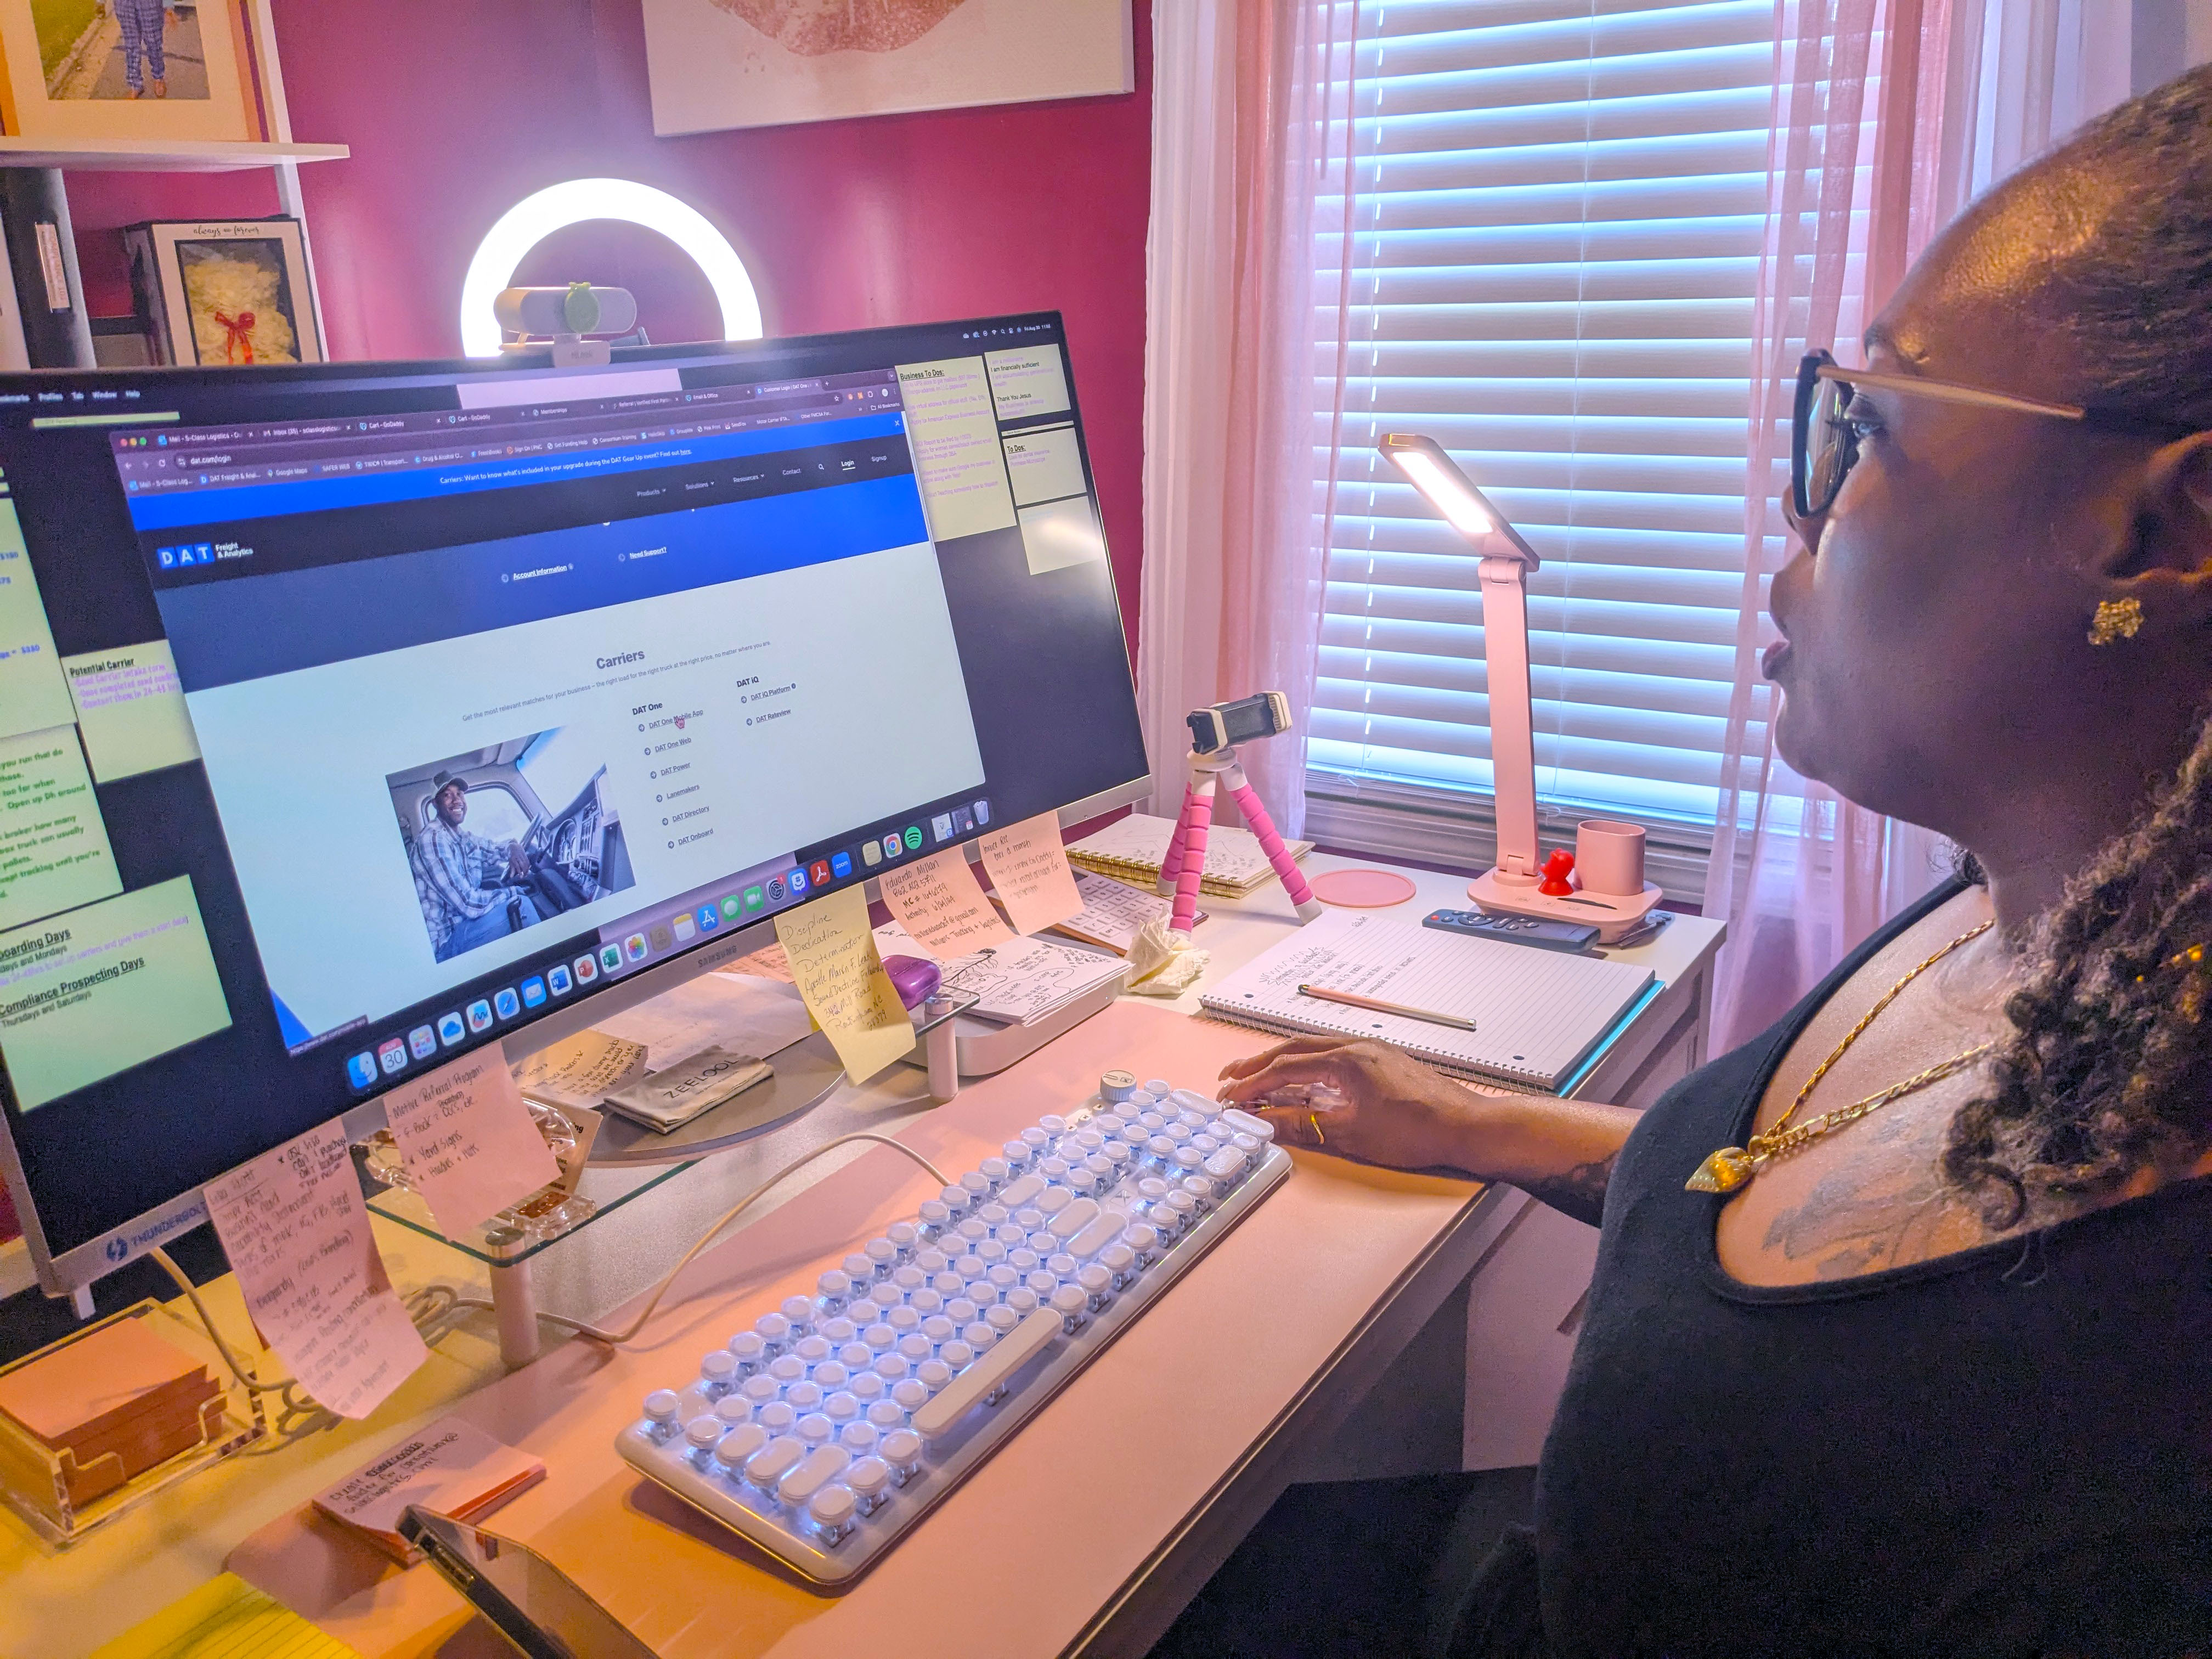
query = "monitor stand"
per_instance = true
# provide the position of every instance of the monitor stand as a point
(805, 1073)
(983, 1046)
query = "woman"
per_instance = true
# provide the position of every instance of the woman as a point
(1935, 1373)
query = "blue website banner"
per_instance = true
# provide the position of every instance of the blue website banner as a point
(168, 510)
(242, 630)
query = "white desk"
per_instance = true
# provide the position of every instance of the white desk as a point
(1410, 1243)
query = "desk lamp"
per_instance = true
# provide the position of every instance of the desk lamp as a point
(1512, 888)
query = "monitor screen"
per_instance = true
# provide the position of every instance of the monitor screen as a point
(355, 716)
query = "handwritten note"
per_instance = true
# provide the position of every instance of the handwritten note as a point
(715, 1011)
(767, 963)
(1028, 869)
(470, 1147)
(296, 1232)
(940, 903)
(581, 1071)
(834, 962)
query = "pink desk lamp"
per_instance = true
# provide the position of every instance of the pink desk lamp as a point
(1510, 888)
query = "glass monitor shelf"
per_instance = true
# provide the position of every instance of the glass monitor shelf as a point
(602, 1190)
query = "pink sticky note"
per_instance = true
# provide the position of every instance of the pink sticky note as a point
(1029, 870)
(942, 905)
(470, 1147)
(296, 1232)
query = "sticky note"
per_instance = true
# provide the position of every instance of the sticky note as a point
(1028, 872)
(295, 1229)
(100, 989)
(225, 1617)
(130, 708)
(834, 962)
(940, 903)
(33, 695)
(470, 1147)
(954, 434)
(54, 853)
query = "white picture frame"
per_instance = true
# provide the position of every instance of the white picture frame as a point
(717, 64)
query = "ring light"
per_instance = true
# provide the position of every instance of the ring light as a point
(534, 218)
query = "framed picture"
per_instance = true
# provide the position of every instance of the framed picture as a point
(224, 291)
(719, 63)
(95, 70)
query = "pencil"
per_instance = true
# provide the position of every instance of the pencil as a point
(1376, 1006)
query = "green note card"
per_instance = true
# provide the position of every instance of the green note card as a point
(54, 853)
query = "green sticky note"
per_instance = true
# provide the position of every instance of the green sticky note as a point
(130, 708)
(98, 990)
(54, 853)
(34, 696)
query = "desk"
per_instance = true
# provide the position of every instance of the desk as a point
(1086, 1534)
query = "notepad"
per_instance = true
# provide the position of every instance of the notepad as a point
(1538, 1014)
(1132, 848)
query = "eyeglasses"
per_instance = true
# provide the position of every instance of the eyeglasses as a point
(1824, 438)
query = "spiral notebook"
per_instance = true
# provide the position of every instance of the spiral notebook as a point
(1538, 1014)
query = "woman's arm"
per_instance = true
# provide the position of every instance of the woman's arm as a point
(1395, 1111)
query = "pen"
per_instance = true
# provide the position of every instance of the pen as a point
(1379, 1006)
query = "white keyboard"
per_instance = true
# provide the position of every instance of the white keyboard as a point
(826, 1429)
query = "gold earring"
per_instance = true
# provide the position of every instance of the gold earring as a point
(2116, 619)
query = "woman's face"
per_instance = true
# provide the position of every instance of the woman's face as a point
(1934, 622)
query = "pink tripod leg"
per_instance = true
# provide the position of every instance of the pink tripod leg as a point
(1197, 818)
(1287, 868)
(1171, 865)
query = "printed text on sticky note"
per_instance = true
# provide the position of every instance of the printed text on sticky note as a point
(834, 963)
(940, 902)
(295, 1229)
(1029, 870)
(470, 1147)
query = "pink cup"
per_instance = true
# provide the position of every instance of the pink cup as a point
(1609, 857)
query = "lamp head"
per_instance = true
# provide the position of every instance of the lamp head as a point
(1425, 465)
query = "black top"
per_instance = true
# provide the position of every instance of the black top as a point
(2004, 1451)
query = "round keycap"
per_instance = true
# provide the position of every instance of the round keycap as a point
(879, 1338)
(1120, 1260)
(978, 1336)
(858, 1438)
(812, 1350)
(881, 1294)
(968, 1267)
(1042, 1283)
(1142, 1237)
(904, 1320)
(887, 1414)
(815, 1429)
(838, 1332)
(938, 1328)
(829, 1375)
(800, 1312)
(776, 1417)
(1068, 1302)
(867, 1479)
(1028, 1217)
(1019, 1156)
(883, 1254)
(803, 1396)
(1001, 1319)
(761, 1390)
(787, 1369)
(1052, 1123)
(974, 1230)
(749, 1349)
(935, 1217)
(841, 1407)
(993, 1170)
(903, 1234)
(836, 1285)
(933, 1374)
(775, 1330)
(866, 1387)
(1053, 1169)
(925, 1303)
(1036, 1140)
(948, 1282)
(703, 1432)
(735, 1410)
(1001, 1278)
(992, 1251)
(1151, 1189)
(913, 1394)
(661, 1406)
(1022, 1300)
(977, 1185)
(892, 1366)
(932, 1262)
(1096, 1280)
(855, 1355)
(901, 1448)
(958, 1201)
(1115, 1157)
(916, 1348)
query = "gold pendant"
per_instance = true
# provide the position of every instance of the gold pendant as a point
(1724, 1172)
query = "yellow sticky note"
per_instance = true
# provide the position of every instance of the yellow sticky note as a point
(834, 963)
(225, 1617)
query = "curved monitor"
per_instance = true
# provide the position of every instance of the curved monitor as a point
(354, 716)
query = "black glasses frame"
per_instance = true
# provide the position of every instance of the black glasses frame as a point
(1819, 366)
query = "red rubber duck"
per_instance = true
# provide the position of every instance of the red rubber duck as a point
(1556, 869)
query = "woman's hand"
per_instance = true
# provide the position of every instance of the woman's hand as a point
(1364, 1100)
(1369, 1101)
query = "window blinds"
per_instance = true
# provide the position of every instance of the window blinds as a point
(1555, 236)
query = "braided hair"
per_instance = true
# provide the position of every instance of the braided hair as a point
(2108, 1065)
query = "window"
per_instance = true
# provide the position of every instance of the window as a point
(1556, 238)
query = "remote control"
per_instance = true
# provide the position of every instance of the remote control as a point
(1514, 930)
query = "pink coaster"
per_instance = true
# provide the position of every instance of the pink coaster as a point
(1362, 889)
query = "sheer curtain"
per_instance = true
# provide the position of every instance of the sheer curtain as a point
(1246, 337)
(1889, 116)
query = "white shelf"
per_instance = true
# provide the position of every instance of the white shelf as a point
(159, 155)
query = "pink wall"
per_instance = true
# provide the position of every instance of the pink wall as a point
(456, 109)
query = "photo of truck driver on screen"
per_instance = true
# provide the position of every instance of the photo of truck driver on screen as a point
(490, 856)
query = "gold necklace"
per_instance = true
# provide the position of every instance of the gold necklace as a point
(1732, 1166)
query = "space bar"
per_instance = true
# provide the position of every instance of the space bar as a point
(1027, 1340)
